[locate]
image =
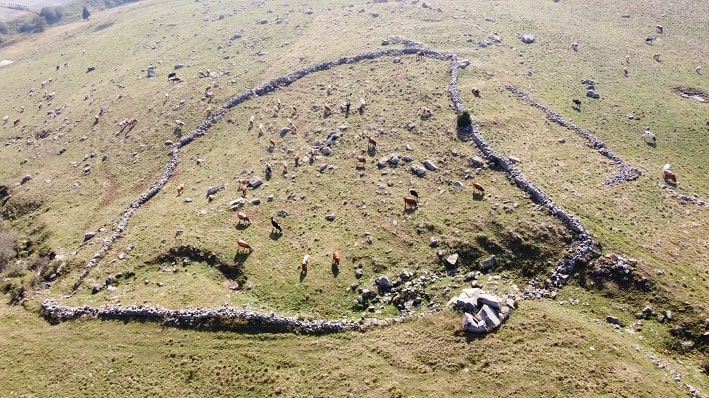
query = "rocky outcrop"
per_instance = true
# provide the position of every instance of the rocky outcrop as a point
(482, 312)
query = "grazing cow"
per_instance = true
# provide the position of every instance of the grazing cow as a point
(292, 126)
(172, 78)
(361, 106)
(285, 167)
(577, 103)
(179, 122)
(698, 69)
(304, 264)
(649, 40)
(420, 54)
(476, 92)
(244, 188)
(627, 58)
(16, 122)
(410, 202)
(5, 119)
(660, 29)
(478, 188)
(246, 246)
(649, 137)
(656, 57)
(372, 142)
(575, 46)
(327, 110)
(414, 193)
(625, 72)
(336, 258)
(297, 160)
(243, 217)
(361, 162)
(276, 226)
(251, 122)
(180, 189)
(669, 176)
(90, 69)
(269, 170)
(272, 144)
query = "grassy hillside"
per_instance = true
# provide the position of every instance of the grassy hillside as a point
(85, 171)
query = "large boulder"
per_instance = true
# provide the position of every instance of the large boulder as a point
(255, 182)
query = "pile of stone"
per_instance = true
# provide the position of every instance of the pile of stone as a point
(620, 270)
(482, 312)
(405, 292)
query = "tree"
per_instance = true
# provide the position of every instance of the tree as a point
(464, 120)
(85, 14)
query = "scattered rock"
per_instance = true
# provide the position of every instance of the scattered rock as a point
(418, 170)
(237, 203)
(452, 259)
(430, 165)
(613, 320)
(330, 217)
(527, 38)
(255, 182)
(488, 263)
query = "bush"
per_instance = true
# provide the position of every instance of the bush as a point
(464, 120)
(51, 15)
(4, 28)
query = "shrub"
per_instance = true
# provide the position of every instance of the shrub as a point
(51, 14)
(464, 120)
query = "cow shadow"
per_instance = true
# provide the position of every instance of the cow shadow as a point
(372, 150)
(241, 227)
(478, 196)
(275, 235)
(651, 144)
(302, 276)
(335, 270)
(409, 210)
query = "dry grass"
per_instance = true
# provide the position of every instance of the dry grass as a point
(526, 358)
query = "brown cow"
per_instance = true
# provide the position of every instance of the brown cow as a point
(478, 188)
(336, 258)
(243, 217)
(246, 246)
(668, 175)
(372, 142)
(476, 92)
(361, 162)
(409, 201)
(180, 189)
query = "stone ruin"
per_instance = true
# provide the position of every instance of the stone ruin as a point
(482, 312)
